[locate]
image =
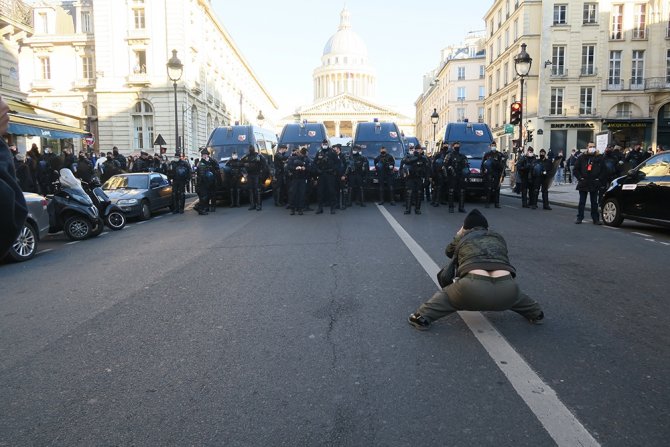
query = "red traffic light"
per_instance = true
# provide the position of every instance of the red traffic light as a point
(515, 113)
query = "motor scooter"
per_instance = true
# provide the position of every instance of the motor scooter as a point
(108, 211)
(71, 210)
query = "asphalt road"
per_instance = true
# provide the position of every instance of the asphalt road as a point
(254, 328)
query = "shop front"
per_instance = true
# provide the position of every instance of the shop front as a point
(627, 133)
(566, 135)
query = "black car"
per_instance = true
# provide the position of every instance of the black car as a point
(642, 195)
(138, 195)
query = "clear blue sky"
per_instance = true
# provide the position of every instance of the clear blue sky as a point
(283, 41)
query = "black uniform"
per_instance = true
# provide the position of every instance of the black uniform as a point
(180, 174)
(357, 173)
(384, 164)
(438, 177)
(141, 164)
(455, 167)
(207, 173)
(298, 167)
(257, 169)
(84, 169)
(415, 167)
(635, 157)
(523, 167)
(493, 171)
(541, 169)
(612, 168)
(279, 181)
(341, 181)
(326, 165)
(589, 173)
(235, 175)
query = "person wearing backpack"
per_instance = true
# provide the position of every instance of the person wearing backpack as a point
(180, 174)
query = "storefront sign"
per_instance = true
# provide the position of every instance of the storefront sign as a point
(626, 125)
(573, 126)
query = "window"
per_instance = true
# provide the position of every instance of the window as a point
(87, 67)
(516, 29)
(460, 94)
(640, 21)
(491, 54)
(499, 46)
(637, 74)
(45, 68)
(489, 116)
(86, 24)
(558, 60)
(140, 61)
(588, 60)
(614, 71)
(590, 15)
(480, 114)
(560, 14)
(138, 18)
(460, 73)
(143, 125)
(499, 17)
(194, 128)
(586, 101)
(491, 27)
(482, 92)
(482, 71)
(505, 73)
(497, 79)
(616, 26)
(460, 113)
(44, 22)
(490, 85)
(504, 112)
(623, 110)
(556, 105)
(506, 38)
(667, 68)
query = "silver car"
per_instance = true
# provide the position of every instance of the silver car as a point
(34, 229)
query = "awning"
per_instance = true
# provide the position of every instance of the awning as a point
(23, 120)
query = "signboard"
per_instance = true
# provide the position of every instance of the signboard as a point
(89, 140)
(601, 141)
(509, 128)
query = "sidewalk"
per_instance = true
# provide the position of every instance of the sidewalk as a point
(563, 195)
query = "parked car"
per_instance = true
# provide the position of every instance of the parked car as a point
(642, 195)
(306, 134)
(34, 229)
(139, 195)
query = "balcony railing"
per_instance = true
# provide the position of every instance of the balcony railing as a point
(138, 79)
(83, 83)
(17, 11)
(657, 83)
(559, 72)
(41, 84)
(587, 111)
(637, 83)
(616, 35)
(640, 33)
(624, 114)
(589, 71)
(460, 99)
(614, 84)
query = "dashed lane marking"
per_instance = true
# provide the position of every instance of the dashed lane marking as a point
(665, 243)
(157, 217)
(610, 228)
(510, 206)
(104, 233)
(557, 420)
(143, 222)
(72, 243)
(46, 250)
(641, 234)
(649, 240)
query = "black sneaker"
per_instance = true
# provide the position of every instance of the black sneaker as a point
(407, 211)
(578, 221)
(418, 321)
(417, 211)
(597, 222)
(538, 319)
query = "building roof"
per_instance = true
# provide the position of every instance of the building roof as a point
(345, 40)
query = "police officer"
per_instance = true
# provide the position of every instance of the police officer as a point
(456, 165)
(256, 167)
(279, 183)
(180, 174)
(298, 167)
(326, 165)
(493, 170)
(612, 168)
(438, 175)
(589, 173)
(341, 186)
(540, 177)
(141, 164)
(635, 156)
(206, 183)
(415, 169)
(384, 164)
(236, 173)
(523, 167)
(356, 173)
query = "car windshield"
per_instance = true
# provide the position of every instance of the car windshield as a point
(224, 152)
(312, 148)
(658, 166)
(371, 150)
(127, 182)
(474, 150)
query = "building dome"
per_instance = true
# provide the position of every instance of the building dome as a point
(345, 40)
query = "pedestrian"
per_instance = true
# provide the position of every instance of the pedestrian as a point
(415, 169)
(143, 163)
(493, 171)
(384, 165)
(456, 165)
(540, 178)
(84, 168)
(571, 164)
(559, 178)
(483, 278)
(109, 168)
(356, 174)
(298, 166)
(180, 174)
(123, 163)
(524, 166)
(206, 182)
(23, 174)
(635, 156)
(326, 165)
(589, 173)
(438, 177)
(257, 170)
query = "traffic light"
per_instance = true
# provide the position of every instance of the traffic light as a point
(515, 113)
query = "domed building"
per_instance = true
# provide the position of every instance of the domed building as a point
(345, 87)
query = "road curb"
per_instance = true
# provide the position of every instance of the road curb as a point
(551, 202)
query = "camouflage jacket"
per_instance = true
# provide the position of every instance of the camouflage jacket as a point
(479, 248)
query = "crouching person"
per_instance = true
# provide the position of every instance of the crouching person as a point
(484, 278)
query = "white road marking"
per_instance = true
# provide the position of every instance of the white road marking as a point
(610, 228)
(46, 250)
(557, 420)
(641, 234)
(104, 233)
(142, 222)
(510, 206)
(650, 240)
(665, 243)
(73, 242)
(158, 217)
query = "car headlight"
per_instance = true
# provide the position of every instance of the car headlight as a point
(126, 202)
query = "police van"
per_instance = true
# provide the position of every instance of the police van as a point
(475, 139)
(371, 136)
(306, 134)
(226, 140)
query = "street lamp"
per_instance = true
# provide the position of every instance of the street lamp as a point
(175, 69)
(260, 118)
(522, 64)
(434, 118)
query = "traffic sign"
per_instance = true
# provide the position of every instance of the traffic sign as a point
(89, 139)
(509, 128)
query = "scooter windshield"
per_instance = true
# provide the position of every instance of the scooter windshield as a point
(73, 185)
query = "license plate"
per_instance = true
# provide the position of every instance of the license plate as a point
(475, 180)
(375, 180)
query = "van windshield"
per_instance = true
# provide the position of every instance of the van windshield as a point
(312, 148)
(224, 152)
(371, 149)
(474, 150)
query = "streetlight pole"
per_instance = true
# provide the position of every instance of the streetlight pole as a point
(522, 64)
(175, 69)
(434, 118)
